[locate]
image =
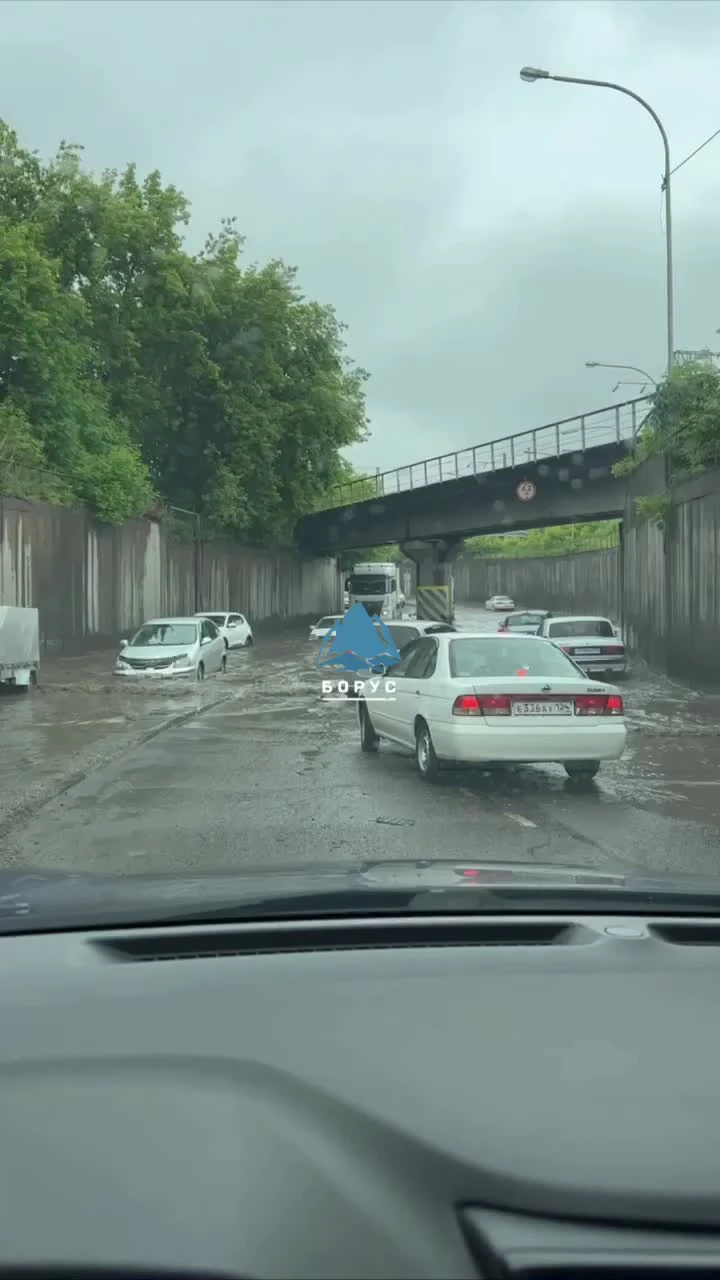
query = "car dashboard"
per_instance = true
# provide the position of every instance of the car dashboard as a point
(433, 1096)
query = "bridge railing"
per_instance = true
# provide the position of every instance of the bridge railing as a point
(611, 425)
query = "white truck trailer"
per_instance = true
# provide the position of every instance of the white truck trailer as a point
(376, 585)
(19, 646)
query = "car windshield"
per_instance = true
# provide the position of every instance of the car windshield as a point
(164, 633)
(581, 628)
(475, 658)
(336, 331)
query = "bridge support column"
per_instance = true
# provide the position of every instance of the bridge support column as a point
(434, 586)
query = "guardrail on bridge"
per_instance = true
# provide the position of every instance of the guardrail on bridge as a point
(611, 425)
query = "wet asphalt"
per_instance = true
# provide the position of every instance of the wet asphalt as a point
(253, 767)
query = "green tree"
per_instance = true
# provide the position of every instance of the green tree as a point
(558, 540)
(683, 423)
(131, 365)
(58, 437)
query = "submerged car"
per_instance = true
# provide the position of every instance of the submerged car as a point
(323, 626)
(172, 648)
(233, 627)
(594, 643)
(528, 623)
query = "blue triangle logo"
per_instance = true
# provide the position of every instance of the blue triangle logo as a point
(358, 643)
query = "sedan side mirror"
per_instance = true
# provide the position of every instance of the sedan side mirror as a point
(205, 640)
(123, 644)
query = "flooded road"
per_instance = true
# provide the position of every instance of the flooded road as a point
(254, 767)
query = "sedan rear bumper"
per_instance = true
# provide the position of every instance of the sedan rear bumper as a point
(475, 743)
(602, 666)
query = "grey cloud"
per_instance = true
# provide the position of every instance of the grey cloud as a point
(482, 238)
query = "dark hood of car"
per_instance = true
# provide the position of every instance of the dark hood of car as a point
(37, 899)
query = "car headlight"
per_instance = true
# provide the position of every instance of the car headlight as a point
(182, 661)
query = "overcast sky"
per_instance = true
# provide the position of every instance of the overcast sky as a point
(481, 237)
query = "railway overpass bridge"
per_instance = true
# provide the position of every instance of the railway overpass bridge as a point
(560, 473)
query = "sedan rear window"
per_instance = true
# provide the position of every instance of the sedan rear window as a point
(327, 623)
(581, 627)
(477, 659)
(403, 635)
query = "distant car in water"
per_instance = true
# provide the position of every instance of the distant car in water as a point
(595, 644)
(500, 604)
(172, 648)
(233, 627)
(527, 624)
(403, 633)
(320, 629)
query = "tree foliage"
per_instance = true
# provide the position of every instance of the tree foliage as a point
(559, 540)
(683, 423)
(130, 369)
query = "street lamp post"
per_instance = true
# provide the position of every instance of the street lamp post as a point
(633, 368)
(530, 75)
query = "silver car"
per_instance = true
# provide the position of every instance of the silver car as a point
(171, 649)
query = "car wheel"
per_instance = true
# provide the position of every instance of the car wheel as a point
(226, 642)
(248, 642)
(425, 758)
(368, 737)
(200, 671)
(582, 770)
(223, 665)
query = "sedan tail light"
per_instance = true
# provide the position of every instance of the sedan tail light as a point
(468, 704)
(598, 704)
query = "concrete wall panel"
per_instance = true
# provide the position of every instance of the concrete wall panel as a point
(93, 584)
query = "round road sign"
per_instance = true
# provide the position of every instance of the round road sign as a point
(526, 491)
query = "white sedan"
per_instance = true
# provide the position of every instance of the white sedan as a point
(320, 629)
(233, 627)
(168, 648)
(500, 604)
(471, 699)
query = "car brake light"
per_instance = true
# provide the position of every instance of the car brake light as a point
(615, 648)
(468, 704)
(598, 704)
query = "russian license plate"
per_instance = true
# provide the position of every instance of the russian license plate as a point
(587, 653)
(543, 708)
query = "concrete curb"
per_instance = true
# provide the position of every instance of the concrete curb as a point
(27, 809)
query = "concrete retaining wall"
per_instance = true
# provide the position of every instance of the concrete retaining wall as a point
(92, 584)
(585, 582)
(662, 584)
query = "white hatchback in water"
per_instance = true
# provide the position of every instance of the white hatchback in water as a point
(233, 627)
(324, 626)
(168, 648)
(473, 698)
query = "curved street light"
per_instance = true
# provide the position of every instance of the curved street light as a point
(633, 368)
(530, 75)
